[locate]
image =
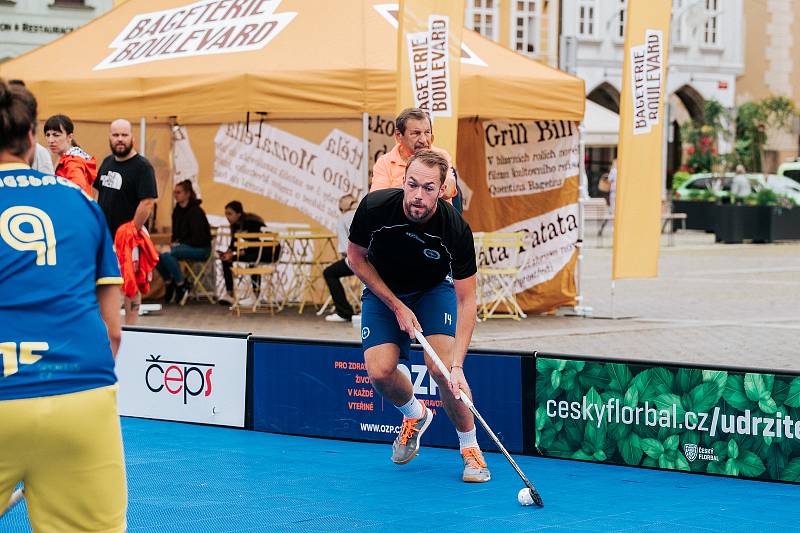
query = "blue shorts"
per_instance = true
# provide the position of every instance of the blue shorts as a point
(434, 308)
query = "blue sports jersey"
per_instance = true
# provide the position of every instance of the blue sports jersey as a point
(55, 249)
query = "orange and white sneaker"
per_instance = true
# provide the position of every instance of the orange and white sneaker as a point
(406, 445)
(475, 469)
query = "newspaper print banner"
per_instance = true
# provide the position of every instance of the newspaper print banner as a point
(548, 245)
(289, 169)
(529, 157)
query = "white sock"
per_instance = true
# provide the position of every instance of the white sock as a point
(468, 439)
(412, 409)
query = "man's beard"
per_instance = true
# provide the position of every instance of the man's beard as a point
(121, 151)
(422, 217)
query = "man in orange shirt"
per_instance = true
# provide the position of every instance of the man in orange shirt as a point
(412, 132)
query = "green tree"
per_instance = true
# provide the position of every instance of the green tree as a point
(753, 120)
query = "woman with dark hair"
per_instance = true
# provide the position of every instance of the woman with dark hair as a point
(74, 164)
(191, 240)
(242, 222)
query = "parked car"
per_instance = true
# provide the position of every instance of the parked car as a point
(700, 185)
(790, 169)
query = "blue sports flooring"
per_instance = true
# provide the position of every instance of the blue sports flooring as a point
(186, 477)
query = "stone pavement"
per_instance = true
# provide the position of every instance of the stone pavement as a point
(711, 303)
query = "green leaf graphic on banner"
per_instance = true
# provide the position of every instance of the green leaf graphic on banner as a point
(544, 391)
(541, 418)
(582, 455)
(793, 399)
(652, 448)
(754, 387)
(780, 391)
(688, 378)
(594, 375)
(681, 463)
(792, 471)
(649, 461)
(630, 449)
(653, 382)
(600, 455)
(573, 432)
(733, 449)
(671, 443)
(555, 379)
(717, 376)
(631, 398)
(768, 406)
(731, 467)
(560, 448)
(716, 467)
(620, 376)
(704, 397)
(776, 462)
(734, 393)
(750, 465)
(547, 365)
(769, 381)
(667, 400)
(569, 379)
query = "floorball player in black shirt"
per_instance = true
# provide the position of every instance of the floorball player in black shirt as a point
(416, 256)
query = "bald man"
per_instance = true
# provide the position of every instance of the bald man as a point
(126, 185)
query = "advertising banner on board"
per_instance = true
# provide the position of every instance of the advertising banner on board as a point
(729, 422)
(323, 390)
(183, 377)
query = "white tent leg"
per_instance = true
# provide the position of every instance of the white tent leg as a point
(583, 195)
(365, 152)
(142, 136)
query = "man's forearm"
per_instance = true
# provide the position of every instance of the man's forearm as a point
(143, 211)
(364, 270)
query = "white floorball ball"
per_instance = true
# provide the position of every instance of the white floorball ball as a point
(524, 497)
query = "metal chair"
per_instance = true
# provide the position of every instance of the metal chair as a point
(263, 264)
(497, 274)
(197, 272)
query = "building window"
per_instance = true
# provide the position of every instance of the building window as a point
(712, 16)
(70, 3)
(586, 18)
(481, 16)
(678, 33)
(527, 20)
(619, 21)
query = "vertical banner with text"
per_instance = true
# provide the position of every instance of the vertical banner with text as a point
(638, 195)
(429, 66)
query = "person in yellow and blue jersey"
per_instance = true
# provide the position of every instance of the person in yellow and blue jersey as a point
(59, 333)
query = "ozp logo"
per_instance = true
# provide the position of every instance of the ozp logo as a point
(431, 254)
(187, 378)
(690, 451)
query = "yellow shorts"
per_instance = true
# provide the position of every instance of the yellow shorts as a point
(67, 449)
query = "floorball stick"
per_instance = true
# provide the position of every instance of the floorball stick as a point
(464, 398)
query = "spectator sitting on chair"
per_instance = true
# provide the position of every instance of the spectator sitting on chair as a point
(340, 269)
(242, 222)
(191, 241)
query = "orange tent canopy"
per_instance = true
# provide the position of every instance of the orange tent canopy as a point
(305, 59)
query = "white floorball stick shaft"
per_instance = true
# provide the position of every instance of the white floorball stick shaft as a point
(444, 370)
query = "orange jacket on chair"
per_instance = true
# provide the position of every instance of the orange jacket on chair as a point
(136, 275)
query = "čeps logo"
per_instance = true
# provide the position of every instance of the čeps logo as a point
(178, 377)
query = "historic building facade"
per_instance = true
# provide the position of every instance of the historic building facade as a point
(27, 24)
